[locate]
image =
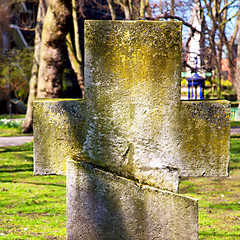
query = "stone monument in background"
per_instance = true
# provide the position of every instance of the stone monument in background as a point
(124, 147)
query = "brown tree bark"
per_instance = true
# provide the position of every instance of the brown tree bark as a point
(142, 8)
(75, 55)
(237, 74)
(172, 7)
(231, 61)
(127, 9)
(76, 64)
(111, 6)
(52, 48)
(42, 9)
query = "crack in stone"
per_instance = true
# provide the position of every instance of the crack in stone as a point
(106, 169)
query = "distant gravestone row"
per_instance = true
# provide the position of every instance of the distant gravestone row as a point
(125, 146)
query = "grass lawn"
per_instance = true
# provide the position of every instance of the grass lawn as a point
(31, 207)
(218, 199)
(14, 116)
(8, 132)
(235, 124)
(34, 207)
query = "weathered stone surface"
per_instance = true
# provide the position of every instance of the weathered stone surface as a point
(201, 141)
(132, 85)
(102, 205)
(204, 138)
(131, 137)
(58, 133)
(134, 123)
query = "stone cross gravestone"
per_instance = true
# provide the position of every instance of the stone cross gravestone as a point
(125, 146)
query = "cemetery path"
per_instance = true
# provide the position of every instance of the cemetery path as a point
(14, 141)
(235, 130)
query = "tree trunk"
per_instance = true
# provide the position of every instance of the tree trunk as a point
(219, 69)
(111, 6)
(75, 64)
(237, 74)
(79, 70)
(232, 66)
(142, 8)
(231, 61)
(27, 125)
(127, 10)
(172, 7)
(52, 48)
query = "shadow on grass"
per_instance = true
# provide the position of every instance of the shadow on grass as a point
(235, 136)
(234, 168)
(213, 234)
(35, 183)
(16, 170)
(22, 148)
(231, 206)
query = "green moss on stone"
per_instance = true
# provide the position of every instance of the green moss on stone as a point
(58, 133)
(205, 128)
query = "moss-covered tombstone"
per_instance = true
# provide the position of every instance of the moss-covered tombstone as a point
(125, 146)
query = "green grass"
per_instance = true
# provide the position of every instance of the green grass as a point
(14, 116)
(9, 132)
(31, 207)
(218, 199)
(235, 124)
(34, 207)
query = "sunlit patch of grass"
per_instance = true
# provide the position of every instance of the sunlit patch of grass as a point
(235, 124)
(226, 206)
(234, 153)
(14, 116)
(8, 132)
(218, 199)
(34, 207)
(31, 207)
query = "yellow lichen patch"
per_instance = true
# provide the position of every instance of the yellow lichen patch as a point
(205, 129)
(58, 133)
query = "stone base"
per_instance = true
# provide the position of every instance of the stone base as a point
(102, 205)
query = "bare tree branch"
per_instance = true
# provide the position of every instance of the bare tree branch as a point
(169, 16)
(226, 6)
